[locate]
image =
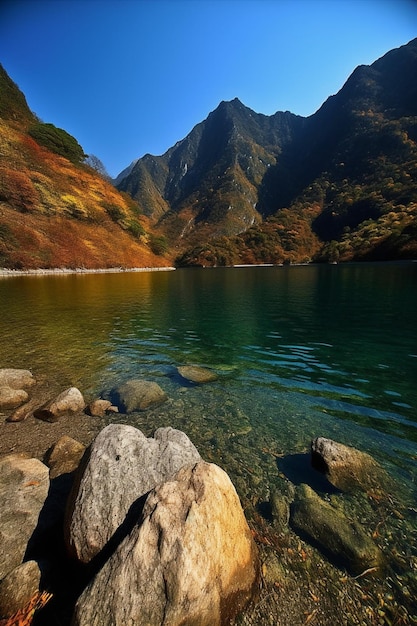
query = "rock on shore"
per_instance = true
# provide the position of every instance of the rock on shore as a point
(24, 487)
(69, 401)
(16, 378)
(191, 559)
(13, 385)
(119, 468)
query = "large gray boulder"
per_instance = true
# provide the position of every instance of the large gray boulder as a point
(347, 468)
(24, 487)
(121, 466)
(335, 534)
(190, 560)
(138, 395)
(69, 401)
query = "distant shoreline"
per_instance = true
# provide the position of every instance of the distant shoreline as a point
(4, 272)
(64, 271)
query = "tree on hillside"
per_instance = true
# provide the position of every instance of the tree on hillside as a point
(57, 140)
(97, 165)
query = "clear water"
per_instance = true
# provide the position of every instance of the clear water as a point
(336, 343)
(300, 352)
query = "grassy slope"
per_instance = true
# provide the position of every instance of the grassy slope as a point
(54, 213)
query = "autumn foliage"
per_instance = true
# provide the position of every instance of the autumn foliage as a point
(241, 188)
(55, 213)
(25, 616)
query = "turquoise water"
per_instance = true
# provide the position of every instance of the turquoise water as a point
(300, 352)
(309, 350)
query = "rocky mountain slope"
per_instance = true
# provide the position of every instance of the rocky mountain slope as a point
(55, 211)
(339, 185)
(242, 187)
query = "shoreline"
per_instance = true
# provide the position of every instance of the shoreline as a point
(63, 271)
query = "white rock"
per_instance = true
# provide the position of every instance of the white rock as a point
(190, 560)
(123, 465)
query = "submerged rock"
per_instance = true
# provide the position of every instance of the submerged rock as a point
(347, 468)
(24, 487)
(69, 401)
(122, 466)
(99, 408)
(138, 395)
(16, 378)
(281, 497)
(345, 541)
(190, 560)
(273, 571)
(197, 374)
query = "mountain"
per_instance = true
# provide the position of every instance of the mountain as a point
(55, 211)
(208, 183)
(124, 173)
(339, 185)
(242, 187)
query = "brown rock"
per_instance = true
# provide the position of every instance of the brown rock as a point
(69, 401)
(138, 395)
(197, 374)
(193, 548)
(11, 398)
(64, 457)
(23, 412)
(98, 408)
(24, 487)
(16, 378)
(345, 467)
(18, 587)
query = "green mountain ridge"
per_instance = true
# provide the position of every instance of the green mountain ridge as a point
(244, 187)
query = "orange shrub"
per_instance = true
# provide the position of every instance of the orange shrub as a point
(17, 189)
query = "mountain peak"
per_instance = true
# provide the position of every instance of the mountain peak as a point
(238, 169)
(234, 102)
(232, 107)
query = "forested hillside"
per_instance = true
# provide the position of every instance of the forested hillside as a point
(340, 185)
(242, 187)
(56, 211)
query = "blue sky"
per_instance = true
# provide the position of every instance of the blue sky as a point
(129, 77)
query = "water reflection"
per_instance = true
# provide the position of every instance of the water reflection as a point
(301, 352)
(343, 335)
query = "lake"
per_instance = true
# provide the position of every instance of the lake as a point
(300, 352)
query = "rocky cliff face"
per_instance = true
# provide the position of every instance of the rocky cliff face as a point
(209, 181)
(342, 180)
(242, 187)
